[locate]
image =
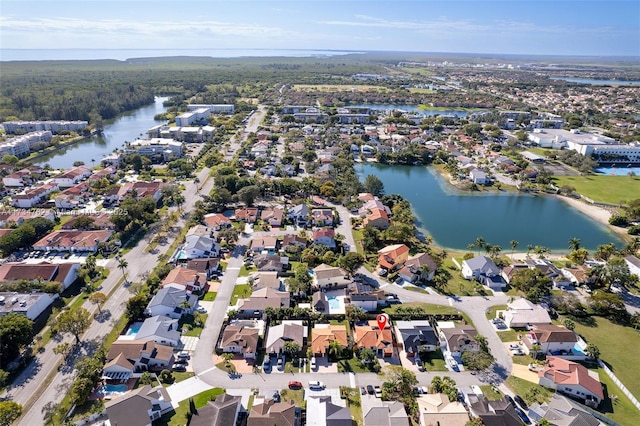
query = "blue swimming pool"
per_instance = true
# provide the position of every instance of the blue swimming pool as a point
(618, 171)
(334, 303)
(134, 328)
(112, 390)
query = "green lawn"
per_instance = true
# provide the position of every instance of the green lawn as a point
(351, 366)
(509, 335)
(607, 189)
(295, 395)
(621, 410)
(617, 346)
(433, 361)
(210, 296)
(492, 311)
(428, 308)
(244, 271)
(357, 236)
(180, 376)
(177, 418)
(197, 331)
(458, 285)
(491, 392)
(240, 291)
(521, 387)
(416, 289)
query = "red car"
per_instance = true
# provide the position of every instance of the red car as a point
(295, 385)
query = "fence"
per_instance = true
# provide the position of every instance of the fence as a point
(622, 387)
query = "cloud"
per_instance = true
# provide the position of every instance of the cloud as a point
(141, 28)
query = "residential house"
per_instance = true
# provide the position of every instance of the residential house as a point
(64, 273)
(325, 276)
(634, 264)
(436, 409)
(458, 339)
(563, 411)
(577, 276)
(139, 407)
(298, 214)
(98, 221)
(416, 336)
(322, 217)
(137, 190)
(161, 329)
(521, 313)
(389, 414)
(319, 302)
(323, 334)
(265, 242)
(240, 339)
(551, 339)
(217, 221)
(31, 305)
(484, 270)
(366, 302)
(290, 240)
(247, 215)
(272, 216)
(573, 379)
(271, 413)
(34, 196)
(322, 412)
(18, 179)
(185, 279)
(73, 197)
(551, 271)
(142, 355)
(222, 411)
(268, 280)
(263, 298)
(370, 336)
(270, 262)
(377, 218)
(420, 267)
(172, 302)
(18, 216)
(208, 265)
(72, 177)
(478, 177)
(72, 241)
(198, 247)
(499, 412)
(287, 331)
(325, 237)
(393, 257)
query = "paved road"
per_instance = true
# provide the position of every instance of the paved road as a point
(27, 389)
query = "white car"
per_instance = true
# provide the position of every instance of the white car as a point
(201, 309)
(316, 385)
(314, 364)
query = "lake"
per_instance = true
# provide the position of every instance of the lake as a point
(414, 109)
(455, 219)
(126, 127)
(593, 81)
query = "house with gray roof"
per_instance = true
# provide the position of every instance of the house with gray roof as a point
(322, 412)
(416, 336)
(563, 411)
(389, 414)
(170, 301)
(484, 270)
(139, 407)
(198, 247)
(500, 412)
(161, 329)
(222, 411)
(287, 331)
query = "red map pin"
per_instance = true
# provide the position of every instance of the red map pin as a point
(382, 320)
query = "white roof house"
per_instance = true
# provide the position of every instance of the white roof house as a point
(521, 313)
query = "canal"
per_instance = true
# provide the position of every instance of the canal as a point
(455, 219)
(126, 127)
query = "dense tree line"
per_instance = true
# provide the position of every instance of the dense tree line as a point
(27, 233)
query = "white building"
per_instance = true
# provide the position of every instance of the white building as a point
(20, 146)
(166, 149)
(30, 305)
(51, 126)
(584, 143)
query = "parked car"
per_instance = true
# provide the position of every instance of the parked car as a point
(280, 362)
(316, 385)
(523, 416)
(181, 361)
(363, 391)
(314, 364)
(370, 390)
(419, 364)
(508, 398)
(201, 309)
(266, 364)
(294, 384)
(276, 396)
(514, 346)
(378, 391)
(521, 402)
(517, 352)
(179, 367)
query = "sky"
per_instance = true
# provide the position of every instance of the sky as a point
(558, 27)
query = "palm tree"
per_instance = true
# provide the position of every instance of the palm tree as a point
(513, 244)
(480, 242)
(335, 349)
(122, 265)
(529, 249)
(592, 351)
(574, 244)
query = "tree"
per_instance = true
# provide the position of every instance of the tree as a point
(166, 376)
(16, 331)
(476, 360)
(533, 283)
(354, 313)
(574, 244)
(248, 194)
(513, 244)
(592, 351)
(480, 242)
(335, 349)
(366, 355)
(578, 256)
(569, 324)
(62, 349)
(9, 159)
(98, 299)
(9, 412)
(476, 421)
(4, 378)
(122, 265)
(146, 378)
(399, 383)
(444, 385)
(74, 321)
(351, 262)
(291, 349)
(374, 185)
(605, 251)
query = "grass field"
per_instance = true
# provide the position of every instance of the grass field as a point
(178, 416)
(617, 346)
(606, 189)
(337, 88)
(621, 410)
(240, 291)
(521, 387)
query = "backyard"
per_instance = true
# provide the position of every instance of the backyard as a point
(178, 417)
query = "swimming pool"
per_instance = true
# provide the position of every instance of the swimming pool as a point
(334, 303)
(112, 390)
(134, 328)
(618, 171)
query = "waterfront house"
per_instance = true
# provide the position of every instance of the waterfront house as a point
(72, 177)
(392, 257)
(485, 271)
(377, 218)
(420, 267)
(521, 313)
